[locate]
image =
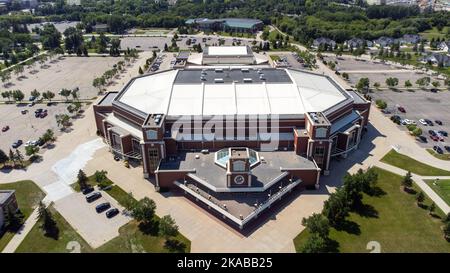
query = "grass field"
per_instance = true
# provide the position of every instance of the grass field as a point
(414, 166)
(28, 196)
(440, 156)
(91, 182)
(133, 239)
(441, 187)
(434, 33)
(393, 219)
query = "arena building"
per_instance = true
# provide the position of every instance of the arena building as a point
(234, 139)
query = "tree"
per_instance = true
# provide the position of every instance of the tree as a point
(363, 85)
(144, 210)
(62, 120)
(13, 220)
(100, 176)
(65, 93)
(446, 231)
(35, 93)
(167, 226)
(422, 82)
(48, 95)
(82, 180)
(166, 48)
(436, 84)
(18, 95)
(12, 157)
(408, 84)
(48, 136)
(50, 37)
(391, 82)
(3, 157)
(7, 95)
(432, 208)
(140, 71)
(317, 224)
(5, 77)
(345, 76)
(114, 50)
(420, 197)
(31, 151)
(376, 85)
(19, 157)
(75, 93)
(407, 181)
(315, 244)
(48, 225)
(336, 207)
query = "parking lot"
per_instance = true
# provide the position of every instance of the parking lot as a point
(68, 72)
(26, 126)
(420, 105)
(288, 59)
(376, 71)
(156, 43)
(94, 227)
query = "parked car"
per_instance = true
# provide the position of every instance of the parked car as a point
(438, 122)
(434, 137)
(432, 132)
(87, 190)
(407, 122)
(112, 212)
(17, 144)
(430, 123)
(447, 148)
(423, 122)
(43, 114)
(422, 138)
(93, 196)
(23, 112)
(31, 143)
(102, 207)
(434, 90)
(385, 111)
(32, 98)
(438, 149)
(40, 142)
(401, 109)
(31, 104)
(5, 128)
(443, 133)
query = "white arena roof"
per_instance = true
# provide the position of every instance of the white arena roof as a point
(227, 50)
(241, 91)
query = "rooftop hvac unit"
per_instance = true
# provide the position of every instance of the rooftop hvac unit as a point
(218, 80)
(157, 120)
(248, 80)
(202, 78)
(245, 70)
(218, 70)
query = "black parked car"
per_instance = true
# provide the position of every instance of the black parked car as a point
(87, 190)
(112, 212)
(438, 149)
(432, 132)
(93, 196)
(443, 133)
(447, 148)
(17, 144)
(423, 139)
(102, 207)
(438, 122)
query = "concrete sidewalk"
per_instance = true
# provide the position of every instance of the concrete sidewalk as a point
(419, 180)
(22, 233)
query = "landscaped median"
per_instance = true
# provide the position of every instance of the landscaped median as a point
(390, 217)
(28, 196)
(439, 156)
(407, 163)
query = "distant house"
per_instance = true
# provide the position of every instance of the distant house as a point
(444, 46)
(8, 203)
(357, 42)
(323, 41)
(436, 59)
(100, 28)
(384, 41)
(410, 39)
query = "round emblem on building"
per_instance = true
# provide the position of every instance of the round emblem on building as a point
(239, 179)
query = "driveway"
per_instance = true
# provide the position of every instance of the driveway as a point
(95, 228)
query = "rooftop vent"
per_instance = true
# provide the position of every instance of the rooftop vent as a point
(245, 70)
(248, 80)
(202, 78)
(218, 80)
(218, 70)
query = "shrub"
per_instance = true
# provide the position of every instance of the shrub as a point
(381, 104)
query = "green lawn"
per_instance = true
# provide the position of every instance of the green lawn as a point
(91, 182)
(412, 165)
(434, 33)
(36, 241)
(440, 156)
(393, 219)
(132, 239)
(28, 196)
(117, 193)
(442, 188)
(274, 57)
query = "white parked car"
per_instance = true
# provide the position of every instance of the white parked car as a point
(408, 122)
(423, 122)
(31, 143)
